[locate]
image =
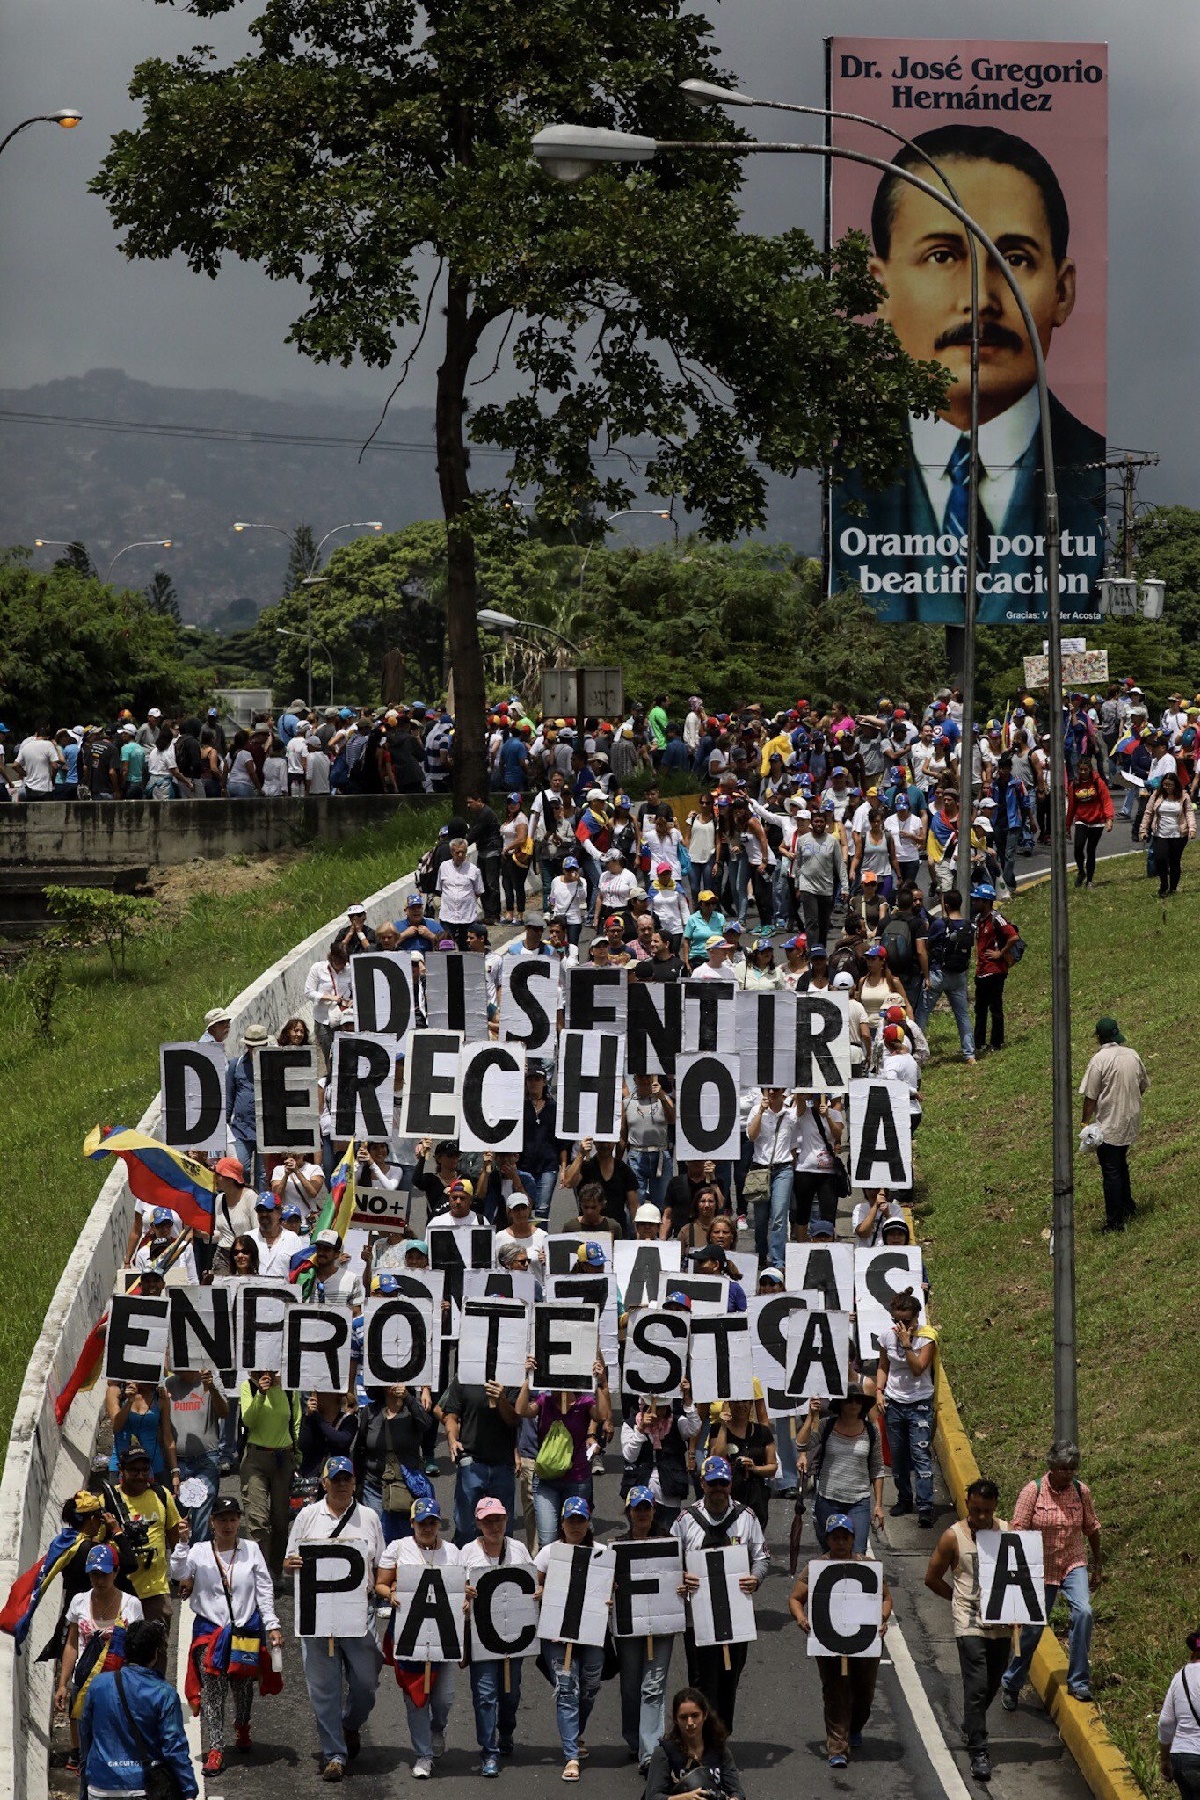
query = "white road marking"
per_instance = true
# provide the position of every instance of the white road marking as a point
(944, 1765)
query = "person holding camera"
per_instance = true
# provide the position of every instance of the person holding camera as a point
(693, 1762)
(154, 1526)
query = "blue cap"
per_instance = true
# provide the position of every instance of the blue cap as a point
(676, 1298)
(715, 1468)
(162, 1215)
(734, 925)
(816, 950)
(820, 1228)
(639, 1496)
(417, 1244)
(337, 1465)
(386, 1284)
(425, 1509)
(345, 712)
(983, 890)
(291, 1211)
(266, 1203)
(570, 862)
(828, 804)
(414, 900)
(104, 1556)
(515, 798)
(837, 1522)
(591, 1252)
(576, 1508)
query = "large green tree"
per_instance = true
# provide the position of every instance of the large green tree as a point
(365, 141)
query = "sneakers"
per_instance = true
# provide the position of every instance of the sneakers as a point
(214, 1762)
(431, 1467)
(1008, 1699)
(1080, 1693)
(506, 1746)
(981, 1765)
(438, 1743)
(242, 1735)
(490, 1766)
(838, 1761)
(925, 1520)
(72, 1763)
(334, 1769)
(901, 1509)
(856, 1740)
(422, 1768)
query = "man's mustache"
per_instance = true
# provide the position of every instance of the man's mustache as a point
(991, 335)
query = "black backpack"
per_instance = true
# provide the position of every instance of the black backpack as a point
(897, 939)
(958, 940)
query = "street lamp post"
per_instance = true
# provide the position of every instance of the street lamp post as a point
(626, 512)
(66, 116)
(314, 563)
(138, 544)
(281, 632)
(571, 151)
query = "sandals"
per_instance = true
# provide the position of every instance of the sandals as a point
(571, 1771)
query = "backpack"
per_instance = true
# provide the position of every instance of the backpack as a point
(555, 1454)
(897, 939)
(844, 961)
(958, 940)
(426, 872)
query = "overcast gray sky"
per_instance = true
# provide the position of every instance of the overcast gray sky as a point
(70, 302)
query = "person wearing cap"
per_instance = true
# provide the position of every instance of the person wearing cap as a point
(91, 1617)
(820, 875)
(1112, 1088)
(141, 1496)
(414, 932)
(741, 1432)
(337, 1282)
(873, 1215)
(225, 1581)
(576, 1676)
(614, 887)
(717, 964)
(647, 1222)
(523, 1232)
(702, 927)
(481, 1424)
(898, 1063)
(356, 935)
(586, 1418)
(712, 1522)
(342, 1674)
(643, 1664)
(276, 1244)
(994, 938)
(217, 1023)
(568, 898)
(495, 1685)
(428, 1719)
(847, 1683)
(239, 1101)
(905, 1385)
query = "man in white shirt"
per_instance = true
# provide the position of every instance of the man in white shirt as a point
(338, 1283)
(772, 1128)
(342, 1673)
(297, 762)
(276, 1247)
(495, 1686)
(38, 761)
(424, 1549)
(327, 990)
(899, 1064)
(711, 1523)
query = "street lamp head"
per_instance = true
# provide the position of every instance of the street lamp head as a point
(166, 543)
(315, 581)
(375, 524)
(569, 152)
(707, 93)
(67, 117)
(492, 620)
(239, 525)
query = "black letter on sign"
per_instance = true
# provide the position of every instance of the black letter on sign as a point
(1012, 1570)
(486, 1582)
(816, 1347)
(654, 1027)
(709, 997)
(709, 1073)
(879, 1142)
(430, 1601)
(818, 1024)
(627, 1583)
(770, 1326)
(877, 1272)
(189, 1331)
(396, 1373)
(277, 1101)
(326, 1568)
(363, 1066)
(605, 1084)
(127, 1356)
(866, 1575)
(186, 1124)
(423, 1082)
(377, 975)
(541, 1026)
(572, 1619)
(592, 992)
(714, 1562)
(489, 1131)
(662, 1337)
(315, 1331)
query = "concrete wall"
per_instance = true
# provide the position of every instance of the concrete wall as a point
(157, 833)
(44, 1463)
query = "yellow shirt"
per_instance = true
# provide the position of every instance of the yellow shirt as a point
(161, 1516)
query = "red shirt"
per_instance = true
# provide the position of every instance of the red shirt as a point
(993, 935)
(1065, 1519)
(1089, 802)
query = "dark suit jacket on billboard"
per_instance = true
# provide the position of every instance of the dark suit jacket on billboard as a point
(905, 508)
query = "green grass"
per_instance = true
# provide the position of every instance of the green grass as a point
(984, 1166)
(101, 1062)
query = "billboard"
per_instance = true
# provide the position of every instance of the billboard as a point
(1021, 131)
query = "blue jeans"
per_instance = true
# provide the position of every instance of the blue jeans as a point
(472, 1481)
(495, 1711)
(954, 986)
(395, 1524)
(858, 1510)
(547, 1181)
(575, 1690)
(229, 1429)
(910, 1432)
(651, 1178)
(786, 1473)
(208, 1470)
(548, 1497)
(252, 1162)
(1074, 1591)
(643, 1693)
(423, 1721)
(359, 1661)
(739, 877)
(771, 1219)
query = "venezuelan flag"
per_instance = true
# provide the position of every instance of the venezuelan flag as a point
(28, 1589)
(300, 1269)
(87, 1370)
(158, 1175)
(341, 1197)
(101, 1657)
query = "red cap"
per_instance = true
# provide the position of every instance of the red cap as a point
(892, 1034)
(895, 1015)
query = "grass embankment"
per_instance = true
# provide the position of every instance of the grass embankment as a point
(984, 1157)
(100, 1063)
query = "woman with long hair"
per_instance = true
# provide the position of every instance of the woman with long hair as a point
(516, 850)
(693, 1760)
(1169, 825)
(1089, 815)
(1179, 1725)
(577, 1675)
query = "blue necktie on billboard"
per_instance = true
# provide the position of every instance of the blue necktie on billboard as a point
(954, 521)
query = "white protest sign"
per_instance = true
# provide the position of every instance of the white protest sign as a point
(591, 1067)
(492, 1095)
(562, 1250)
(456, 993)
(721, 1612)
(845, 1608)
(381, 982)
(192, 1080)
(362, 1086)
(576, 1593)
(316, 1349)
(710, 1018)
(818, 1345)
(596, 998)
(454, 1249)
(400, 1341)
(654, 1027)
(286, 1101)
(769, 1315)
(529, 1004)
(641, 1265)
(381, 1209)
(428, 1620)
(135, 1345)
(709, 1294)
(260, 1312)
(879, 1275)
(504, 1612)
(332, 1589)
(500, 1284)
(566, 1342)
(431, 1097)
(722, 1358)
(823, 1271)
(766, 1037)
(493, 1342)
(599, 1291)
(1012, 1577)
(707, 1117)
(646, 1597)
(822, 1042)
(202, 1334)
(880, 1134)
(656, 1353)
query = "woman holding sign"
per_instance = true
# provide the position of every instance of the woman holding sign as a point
(428, 1689)
(693, 1760)
(847, 1679)
(577, 1667)
(643, 1661)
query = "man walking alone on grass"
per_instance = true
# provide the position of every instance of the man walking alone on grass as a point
(1112, 1088)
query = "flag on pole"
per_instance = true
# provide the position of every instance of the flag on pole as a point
(158, 1175)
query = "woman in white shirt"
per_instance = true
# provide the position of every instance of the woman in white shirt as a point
(1179, 1724)
(424, 1549)
(226, 1581)
(516, 850)
(568, 897)
(615, 886)
(577, 1683)
(274, 772)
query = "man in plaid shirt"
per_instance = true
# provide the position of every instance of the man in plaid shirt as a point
(1060, 1507)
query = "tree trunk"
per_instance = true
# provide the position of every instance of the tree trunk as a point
(466, 656)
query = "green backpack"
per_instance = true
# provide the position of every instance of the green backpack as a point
(555, 1454)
